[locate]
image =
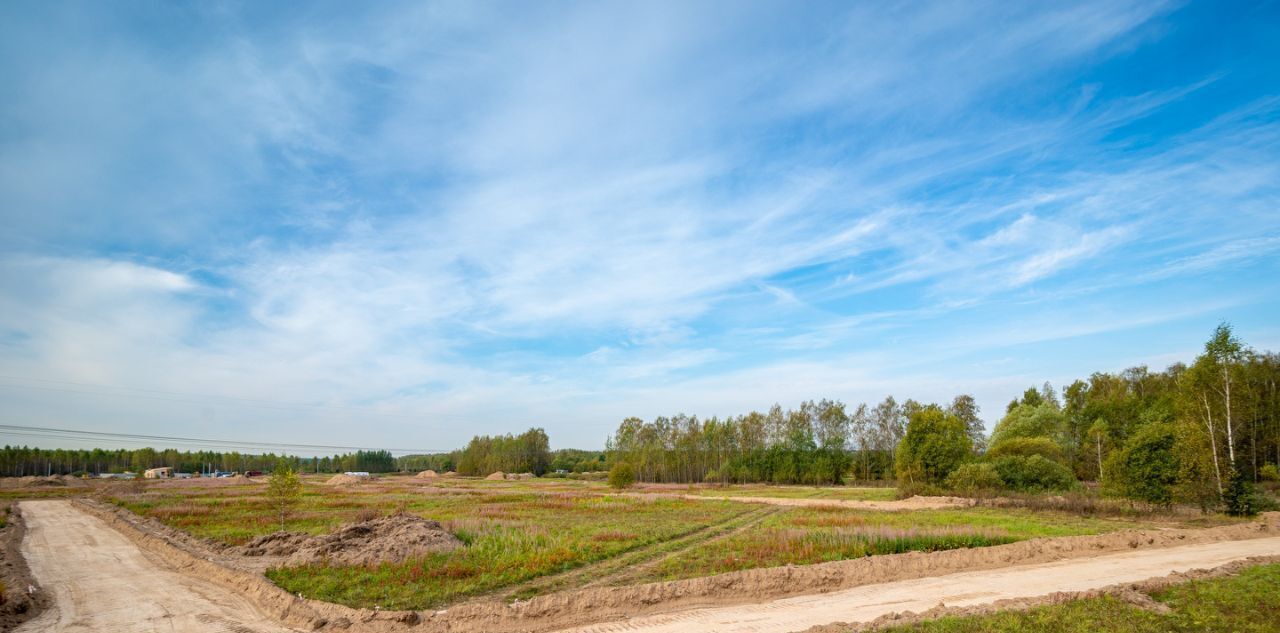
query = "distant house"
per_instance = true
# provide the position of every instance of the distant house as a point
(163, 472)
(357, 473)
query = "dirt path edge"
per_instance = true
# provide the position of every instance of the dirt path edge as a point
(587, 606)
(19, 605)
(270, 599)
(1136, 593)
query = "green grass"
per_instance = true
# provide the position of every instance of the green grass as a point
(801, 536)
(1249, 602)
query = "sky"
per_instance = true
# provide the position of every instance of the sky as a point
(402, 224)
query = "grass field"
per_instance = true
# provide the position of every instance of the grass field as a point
(1247, 602)
(802, 536)
(529, 537)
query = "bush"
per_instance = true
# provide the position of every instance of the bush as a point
(621, 476)
(1269, 472)
(1238, 497)
(1146, 468)
(1028, 446)
(971, 479)
(1033, 473)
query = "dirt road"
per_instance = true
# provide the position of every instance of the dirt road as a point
(914, 503)
(103, 583)
(864, 604)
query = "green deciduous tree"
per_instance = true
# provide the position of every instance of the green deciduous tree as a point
(622, 475)
(284, 490)
(935, 444)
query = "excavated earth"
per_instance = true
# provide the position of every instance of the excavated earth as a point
(383, 540)
(22, 598)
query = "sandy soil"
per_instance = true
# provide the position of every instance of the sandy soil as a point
(913, 503)
(24, 599)
(865, 604)
(102, 582)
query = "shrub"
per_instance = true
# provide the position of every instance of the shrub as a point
(971, 479)
(1033, 473)
(621, 476)
(1238, 497)
(1269, 472)
(1146, 468)
(1028, 446)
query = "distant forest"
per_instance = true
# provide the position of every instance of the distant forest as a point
(528, 452)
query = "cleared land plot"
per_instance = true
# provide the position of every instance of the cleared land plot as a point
(532, 537)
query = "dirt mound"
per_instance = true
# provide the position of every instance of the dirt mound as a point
(427, 474)
(275, 544)
(521, 476)
(41, 482)
(497, 476)
(450, 474)
(345, 480)
(385, 539)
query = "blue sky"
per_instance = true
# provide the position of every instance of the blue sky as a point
(401, 224)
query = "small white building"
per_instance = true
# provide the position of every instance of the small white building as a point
(357, 473)
(163, 472)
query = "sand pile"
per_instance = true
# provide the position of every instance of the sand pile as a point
(498, 476)
(427, 474)
(450, 474)
(275, 544)
(40, 482)
(385, 539)
(345, 480)
(521, 476)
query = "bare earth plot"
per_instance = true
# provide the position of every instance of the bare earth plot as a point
(864, 604)
(103, 583)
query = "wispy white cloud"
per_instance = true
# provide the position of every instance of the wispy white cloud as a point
(508, 215)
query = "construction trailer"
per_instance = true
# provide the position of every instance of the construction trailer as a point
(164, 472)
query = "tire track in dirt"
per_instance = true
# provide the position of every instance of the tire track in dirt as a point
(913, 503)
(102, 582)
(637, 574)
(599, 572)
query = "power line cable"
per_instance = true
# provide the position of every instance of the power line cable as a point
(80, 434)
(186, 397)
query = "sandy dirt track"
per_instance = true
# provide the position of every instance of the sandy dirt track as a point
(914, 503)
(866, 603)
(101, 582)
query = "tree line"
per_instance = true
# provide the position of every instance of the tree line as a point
(17, 461)
(820, 442)
(1201, 433)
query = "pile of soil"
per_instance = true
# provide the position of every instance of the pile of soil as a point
(345, 480)
(450, 474)
(22, 599)
(497, 476)
(521, 476)
(388, 539)
(51, 481)
(275, 544)
(427, 474)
